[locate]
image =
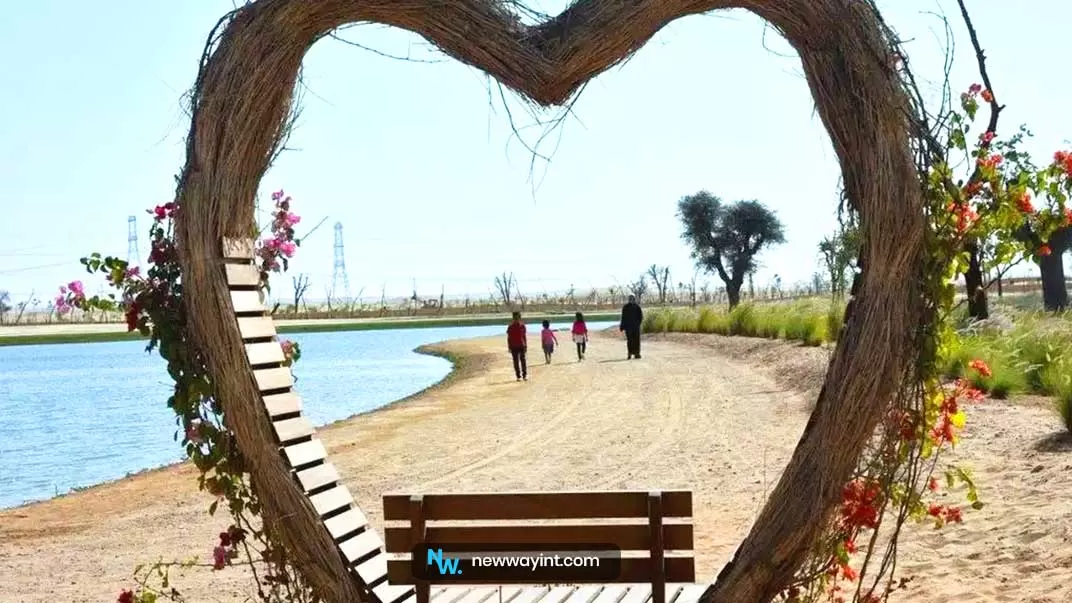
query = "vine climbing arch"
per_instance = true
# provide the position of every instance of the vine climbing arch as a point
(241, 105)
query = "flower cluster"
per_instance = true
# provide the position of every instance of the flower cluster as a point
(152, 303)
(227, 549)
(275, 250)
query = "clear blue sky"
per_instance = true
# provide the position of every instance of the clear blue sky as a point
(419, 165)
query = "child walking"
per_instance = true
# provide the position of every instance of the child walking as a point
(580, 336)
(517, 342)
(547, 336)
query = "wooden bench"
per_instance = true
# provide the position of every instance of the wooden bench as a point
(640, 533)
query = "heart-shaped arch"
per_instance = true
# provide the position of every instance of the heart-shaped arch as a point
(241, 104)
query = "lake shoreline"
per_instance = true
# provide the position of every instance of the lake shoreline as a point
(13, 335)
(460, 366)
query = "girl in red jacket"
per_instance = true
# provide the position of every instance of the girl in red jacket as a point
(517, 342)
(580, 336)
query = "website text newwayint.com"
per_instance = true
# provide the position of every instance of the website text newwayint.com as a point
(523, 563)
(535, 561)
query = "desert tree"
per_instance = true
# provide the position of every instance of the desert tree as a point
(639, 287)
(301, 286)
(506, 287)
(660, 276)
(838, 252)
(726, 239)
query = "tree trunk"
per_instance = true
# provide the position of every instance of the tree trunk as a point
(978, 309)
(1054, 293)
(733, 293)
(1052, 271)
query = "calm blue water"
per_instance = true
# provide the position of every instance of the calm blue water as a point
(75, 415)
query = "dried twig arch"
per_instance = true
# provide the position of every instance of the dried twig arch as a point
(241, 104)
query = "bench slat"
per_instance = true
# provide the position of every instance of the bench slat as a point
(638, 593)
(317, 476)
(449, 594)
(273, 378)
(627, 537)
(690, 593)
(242, 275)
(256, 327)
(584, 594)
(269, 352)
(612, 593)
(542, 505)
(237, 249)
(479, 594)
(374, 571)
(305, 453)
(331, 500)
(633, 569)
(390, 593)
(360, 545)
(247, 301)
(346, 522)
(292, 429)
(531, 594)
(282, 404)
(558, 594)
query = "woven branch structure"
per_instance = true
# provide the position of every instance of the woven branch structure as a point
(241, 104)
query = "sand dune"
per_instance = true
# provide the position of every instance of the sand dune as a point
(716, 415)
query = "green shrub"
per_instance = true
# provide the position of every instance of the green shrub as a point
(742, 320)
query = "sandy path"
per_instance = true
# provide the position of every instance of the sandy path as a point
(718, 419)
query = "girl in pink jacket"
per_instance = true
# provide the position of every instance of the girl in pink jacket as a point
(580, 336)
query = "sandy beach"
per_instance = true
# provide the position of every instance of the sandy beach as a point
(716, 415)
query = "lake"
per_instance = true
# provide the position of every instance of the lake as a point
(75, 415)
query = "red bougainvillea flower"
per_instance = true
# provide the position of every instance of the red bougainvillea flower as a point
(991, 161)
(981, 367)
(859, 504)
(986, 137)
(987, 96)
(932, 485)
(1068, 215)
(1045, 250)
(131, 316)
(1024, 204)
(952, 514)
(126, 597)
(1063, 160)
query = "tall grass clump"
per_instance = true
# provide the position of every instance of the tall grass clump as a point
(742, 320)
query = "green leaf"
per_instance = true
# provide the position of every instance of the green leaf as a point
(977, 505)
(212, 507)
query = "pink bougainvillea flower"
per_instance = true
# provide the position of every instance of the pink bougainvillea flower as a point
(132, 272)
(276, 196)
(77, 288)
(288, 248)
(986, 137)
(62, 307)
(974, 89)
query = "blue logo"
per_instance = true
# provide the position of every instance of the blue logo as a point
(447, 566)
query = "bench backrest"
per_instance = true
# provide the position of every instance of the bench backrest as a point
(538, 519)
